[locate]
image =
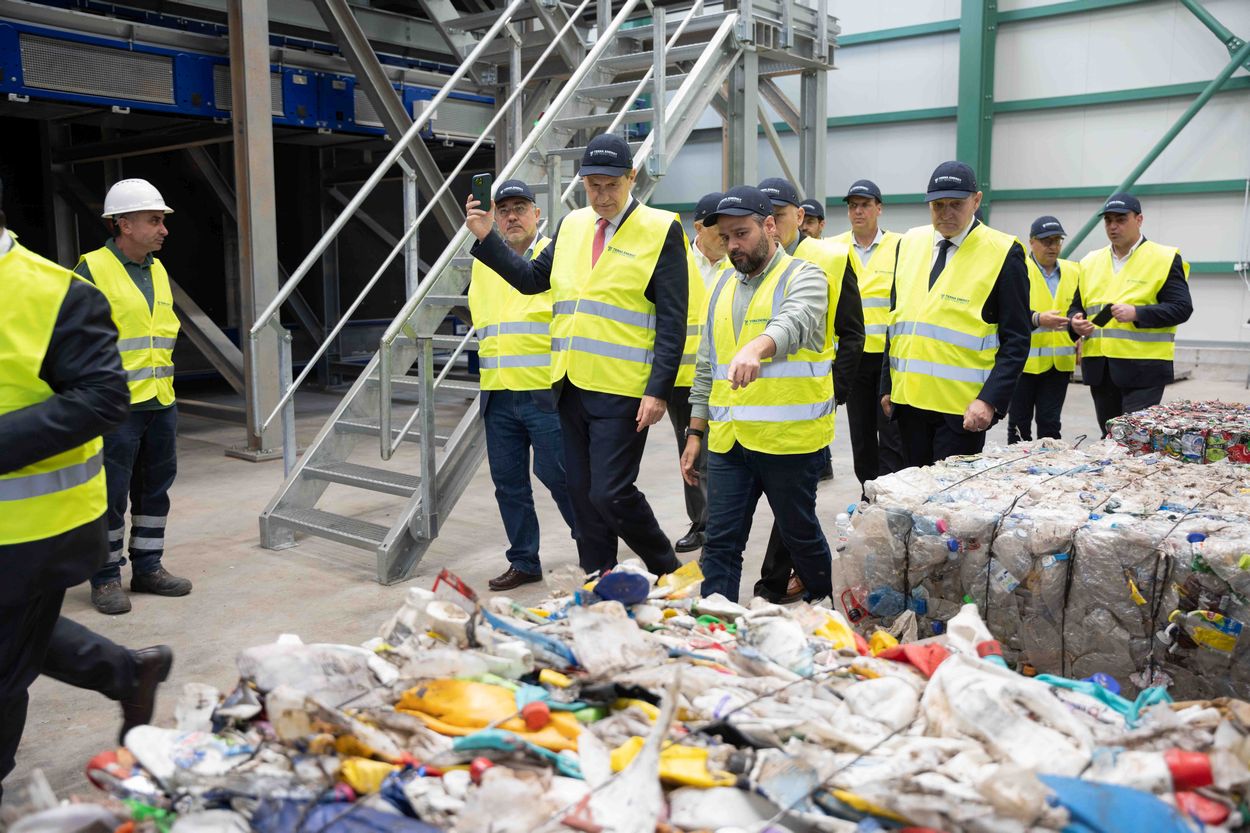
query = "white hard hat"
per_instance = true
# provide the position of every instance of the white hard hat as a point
(133, 195)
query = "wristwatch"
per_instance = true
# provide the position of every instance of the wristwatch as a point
(694, 432)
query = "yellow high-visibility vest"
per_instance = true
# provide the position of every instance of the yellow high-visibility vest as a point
(941, 350)
(696, 313)
(66, 490)
(875, 279)
(1052, 348)
(602, 325)
(1138, 282)
(789, 408)
(832, 257)
(513, 330)
(145, 335)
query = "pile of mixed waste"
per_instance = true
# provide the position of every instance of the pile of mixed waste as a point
(1082, 561)
(1196, 432)
(632, 705)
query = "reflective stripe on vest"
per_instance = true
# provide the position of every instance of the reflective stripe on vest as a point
(603, 326)
(788, 409)
(64, 491)
(696, 313)
(1052, 349)
(1138, 282)
(941, 350)
(875, 279)
(513, 330)
(146, 335)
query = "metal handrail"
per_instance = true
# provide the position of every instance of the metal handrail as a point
(269, 316)
(461, 237)
(657, 105)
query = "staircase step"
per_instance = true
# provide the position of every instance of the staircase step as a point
(576, 153)
(642, 60)
(610, 92)
(366, 477)
(447, 300)
(462, 262)
(344, 530)
(452, 342)
(413, 384)
(603, 119)
(373, 429)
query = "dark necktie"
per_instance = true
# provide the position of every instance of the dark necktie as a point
(944, 246)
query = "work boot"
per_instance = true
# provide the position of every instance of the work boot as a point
(161, 583)
(512, 578)
(692, 540)
(110, 598)
(151, 669)
(794, 591)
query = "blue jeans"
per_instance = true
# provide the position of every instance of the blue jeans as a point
(140, 462)
(736, 479)
(514, 424)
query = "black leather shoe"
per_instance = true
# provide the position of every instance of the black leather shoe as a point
(110, 598)
(794, 591)
(151, 669)
(692, 540)
(512, 577)
(160, 582)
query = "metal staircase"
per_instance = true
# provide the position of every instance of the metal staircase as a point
(661, 66)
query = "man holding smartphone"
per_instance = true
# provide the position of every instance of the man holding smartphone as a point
(619, 273)
(1130, 298)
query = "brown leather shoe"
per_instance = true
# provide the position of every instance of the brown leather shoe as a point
(152, 667)
(512, 577)
(795, 591)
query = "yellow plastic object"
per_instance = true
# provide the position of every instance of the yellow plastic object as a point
(1133, 592)
(363, 775)
(539, 612)
(622, 703)
(863, 805)
(881, 641)
(679, 764)
(349, 746)
(838, 631)
(551, 677)
(462, 707)
(681, 582)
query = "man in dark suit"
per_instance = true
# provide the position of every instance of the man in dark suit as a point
(619, 273)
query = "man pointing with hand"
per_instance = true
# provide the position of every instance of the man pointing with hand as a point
(619, 277)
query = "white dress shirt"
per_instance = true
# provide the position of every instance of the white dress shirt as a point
(6, 242)
(1117, 263)
(707, 269)
(956, 242)
(865, 252)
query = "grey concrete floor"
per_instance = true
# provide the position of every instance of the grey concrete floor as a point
(245, 595)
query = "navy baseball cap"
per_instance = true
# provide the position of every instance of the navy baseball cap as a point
(780, 191)
(1046, 226)
(951, 181)
(813, 209)
(863, 188)
(607, 155)
(741, 201)
(1122, 203)
(510, 188)
(707, 205)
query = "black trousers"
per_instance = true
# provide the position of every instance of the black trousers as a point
(82, 658)
(929, 436)
(696, 496)
(25, 632)
(1041, 395)
(1111, 401)
(602, 454)
(875, 441)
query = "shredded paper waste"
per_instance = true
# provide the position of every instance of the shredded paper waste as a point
(1039, 638)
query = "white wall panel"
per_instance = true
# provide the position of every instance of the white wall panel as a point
(898, 157)
(897, 75)
(860, 16)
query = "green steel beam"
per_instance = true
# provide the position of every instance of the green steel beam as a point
(974, 122)
(1239, 58)
(1117, 96)
(1226, 36)
(1060, 9)
(893, 117)
(899, 33)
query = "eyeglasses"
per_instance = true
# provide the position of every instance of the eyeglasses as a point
(513, 211)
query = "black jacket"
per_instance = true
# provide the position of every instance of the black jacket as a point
(1007, 305)
(1172, 307)
(90, 398)
(668, 289)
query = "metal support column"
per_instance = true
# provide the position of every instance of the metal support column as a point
(1239, 57)
(64, 223)
(742, 151)
(252, 124)
(412, 259)
(814, 134)
(978, 29)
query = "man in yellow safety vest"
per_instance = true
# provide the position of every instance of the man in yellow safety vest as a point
(1142, 289)
(141, 456)
(764, 391)
(813, 219)
(1043, 388)
(959, 324)
(619, 273)
(514, 354)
